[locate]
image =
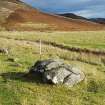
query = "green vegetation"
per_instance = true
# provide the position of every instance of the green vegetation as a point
(16, 89)
(84, 39)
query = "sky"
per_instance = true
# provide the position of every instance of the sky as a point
(86, 8)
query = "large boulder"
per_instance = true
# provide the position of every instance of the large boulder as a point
(57, 72)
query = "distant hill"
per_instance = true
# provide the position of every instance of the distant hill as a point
(16, 15)
(98, 20)
(72, 15)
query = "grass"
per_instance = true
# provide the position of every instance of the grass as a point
(37, 26)
(89, 39)
(15, 89)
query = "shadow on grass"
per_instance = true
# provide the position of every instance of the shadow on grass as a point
(21, 76)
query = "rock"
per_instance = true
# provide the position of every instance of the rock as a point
(53, 64)
(4, 50)
(57, 75)
(13, 59)
(56, 71)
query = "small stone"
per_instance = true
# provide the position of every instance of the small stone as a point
(13, 59)
(4, 50)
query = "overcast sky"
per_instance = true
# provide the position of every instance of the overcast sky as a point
(86, 8)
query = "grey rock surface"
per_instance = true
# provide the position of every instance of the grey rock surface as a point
(55, 71)
(4, 50)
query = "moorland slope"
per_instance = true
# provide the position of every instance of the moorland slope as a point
(16, 15)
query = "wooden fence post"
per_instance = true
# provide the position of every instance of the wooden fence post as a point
(40, 49)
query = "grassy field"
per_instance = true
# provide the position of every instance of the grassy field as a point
(15, 89)
(87, 39)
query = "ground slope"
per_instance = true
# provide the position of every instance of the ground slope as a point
(16, 15)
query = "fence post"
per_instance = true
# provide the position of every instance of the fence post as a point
(40, 49)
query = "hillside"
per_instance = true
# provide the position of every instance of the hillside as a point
(16, 15)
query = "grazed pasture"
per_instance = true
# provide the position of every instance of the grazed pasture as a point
(15, 89)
